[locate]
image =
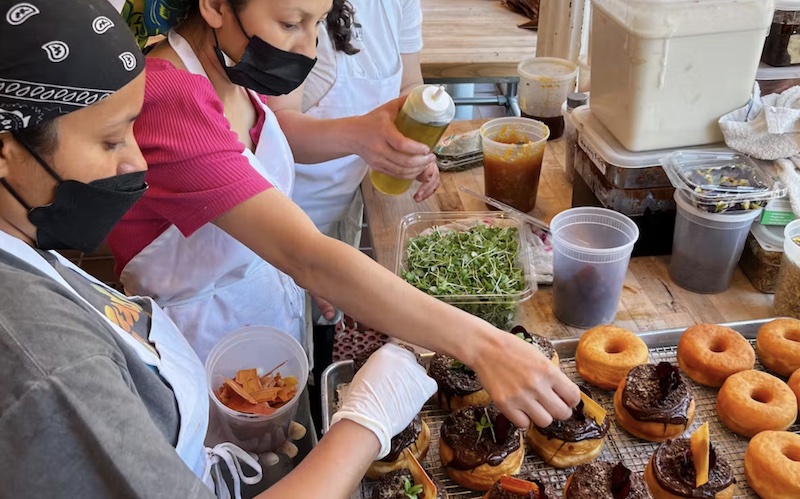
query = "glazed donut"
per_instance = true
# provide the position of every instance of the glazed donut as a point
(654, 402)
(772, 465)
(667, 477)
(458, 386)
(568, 443)
(709, 353)
(778, 346)
(606, 353)
(594, 481)
(794, 384)
(753, 401)
(475, 456)
(416, 437)
(541, 343)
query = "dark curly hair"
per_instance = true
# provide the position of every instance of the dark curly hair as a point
(339, 22)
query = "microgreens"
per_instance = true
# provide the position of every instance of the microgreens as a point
(457, 365)
(411, 491)
(483, 424)
(481, 260)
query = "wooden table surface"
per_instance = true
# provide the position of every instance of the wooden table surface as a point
(473, 40)
(650, 300)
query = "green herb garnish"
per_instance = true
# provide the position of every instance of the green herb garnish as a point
(411, 491)
(483, 424)
(456, 365)
(481, 260)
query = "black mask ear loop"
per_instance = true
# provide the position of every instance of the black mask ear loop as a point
(241, 27)
(39, 160)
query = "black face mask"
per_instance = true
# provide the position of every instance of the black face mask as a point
(82, 215)
(265, 69)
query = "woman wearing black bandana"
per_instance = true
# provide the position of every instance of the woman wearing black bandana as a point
(101, 396)
(219, 208)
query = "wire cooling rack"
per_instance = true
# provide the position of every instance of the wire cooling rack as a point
(619, 445)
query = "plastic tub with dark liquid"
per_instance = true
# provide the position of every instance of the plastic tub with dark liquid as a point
(513, 150)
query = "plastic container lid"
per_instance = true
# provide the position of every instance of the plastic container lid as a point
(790, 248)
(551, 68)
(770, 73)
(733, 220)
(601, 141)
(787, 5)
(676, 18)
(576, 100)
(769, 237)
(720, 182)
(594, 235)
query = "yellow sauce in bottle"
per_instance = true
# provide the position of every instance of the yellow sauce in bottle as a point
(426, 133)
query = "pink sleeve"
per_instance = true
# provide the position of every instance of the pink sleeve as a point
(196, 168)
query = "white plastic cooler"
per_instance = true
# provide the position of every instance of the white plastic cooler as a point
(664, 71)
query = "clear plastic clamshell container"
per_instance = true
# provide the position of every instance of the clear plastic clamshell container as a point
(426, 259)
(721, 182)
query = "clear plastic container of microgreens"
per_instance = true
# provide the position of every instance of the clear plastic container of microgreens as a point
(719, 182)
(479, 262)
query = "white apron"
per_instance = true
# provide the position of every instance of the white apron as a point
(326, 191)
(176, 363)
(210, 284)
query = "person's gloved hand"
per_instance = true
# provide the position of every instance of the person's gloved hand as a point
(386, 394)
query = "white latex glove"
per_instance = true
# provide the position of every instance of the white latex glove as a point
(386, 394)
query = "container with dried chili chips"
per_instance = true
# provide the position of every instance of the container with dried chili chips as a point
(255, 377)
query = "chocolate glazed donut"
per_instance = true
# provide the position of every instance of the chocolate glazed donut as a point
(604, 480)
(654, 402)
(458, 385)
(671, 473)
(478, 445)
(546, 491)
(571, 442)
(393, 486)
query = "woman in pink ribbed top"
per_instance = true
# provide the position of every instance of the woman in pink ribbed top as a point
(219, 207)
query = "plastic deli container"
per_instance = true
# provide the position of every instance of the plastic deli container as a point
(498, 308)
(622, 168)
(632, 183)
(513, 151)
(544, 84)
(592, 248)
(787, 291)
(706, 246)
(721, 182)
(263, 348)
(762, 255)
(664, 72)
(782, 47)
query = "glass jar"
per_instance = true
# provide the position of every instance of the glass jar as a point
(761, 258)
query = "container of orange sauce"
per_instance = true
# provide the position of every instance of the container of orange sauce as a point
(513, 150)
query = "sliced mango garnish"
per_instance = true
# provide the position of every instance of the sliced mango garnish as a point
(701, 454)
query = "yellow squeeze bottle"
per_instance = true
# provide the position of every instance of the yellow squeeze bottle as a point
(424, 117)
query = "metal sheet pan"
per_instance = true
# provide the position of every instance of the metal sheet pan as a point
(619, 446)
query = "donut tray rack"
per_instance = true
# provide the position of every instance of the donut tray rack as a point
(619, 445)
